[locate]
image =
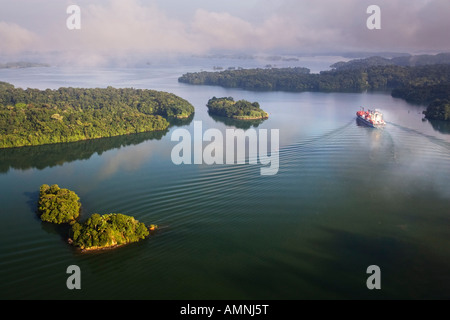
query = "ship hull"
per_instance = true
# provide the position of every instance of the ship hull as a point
(367, 123)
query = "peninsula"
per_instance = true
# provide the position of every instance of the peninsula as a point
(34, 117)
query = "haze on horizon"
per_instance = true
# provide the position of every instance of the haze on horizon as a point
(122, 28)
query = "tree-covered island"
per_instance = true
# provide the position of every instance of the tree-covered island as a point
(57, 205)
(108, 231)
(62, 206)
(35, 117)
(240, 110)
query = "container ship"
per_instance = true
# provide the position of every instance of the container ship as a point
(371, 118)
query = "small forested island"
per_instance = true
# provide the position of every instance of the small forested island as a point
(108, 231)
(240, 110)
(58, 205)
(62, 206)
(35, 117)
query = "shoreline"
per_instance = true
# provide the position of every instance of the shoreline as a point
(249, 118)
(86, 139)
(151, 228)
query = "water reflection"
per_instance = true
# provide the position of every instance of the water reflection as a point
(41, 157)
(440, 126)
(239, 124)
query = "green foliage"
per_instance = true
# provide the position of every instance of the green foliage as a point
(242, 109)
(58, 205)
(438, 110)
(35, 117)
(378, 77)
(107, 231)
(5, 85)
(423, 94)
(252, 79)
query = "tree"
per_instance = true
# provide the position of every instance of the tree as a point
(58, 205)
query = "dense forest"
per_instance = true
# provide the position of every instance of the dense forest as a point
(35, 117)
(385, 77)
(108, 230)
(252, 79)
(57, 205)
(241, 110)
(438, 110)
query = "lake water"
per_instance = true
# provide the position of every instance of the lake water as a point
(345, 197)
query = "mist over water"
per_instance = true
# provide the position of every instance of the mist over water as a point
(345, 197)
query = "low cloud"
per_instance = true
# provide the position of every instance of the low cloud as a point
(15, 39)
(123, 27)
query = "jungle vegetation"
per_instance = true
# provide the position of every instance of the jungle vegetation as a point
(57, 205)
(36, 117)
(241, 110)
(108, 230)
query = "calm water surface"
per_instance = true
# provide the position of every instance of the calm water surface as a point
(345, 197)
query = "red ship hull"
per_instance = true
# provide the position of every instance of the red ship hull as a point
(371, 118)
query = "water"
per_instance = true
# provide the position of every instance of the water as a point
(345, 197)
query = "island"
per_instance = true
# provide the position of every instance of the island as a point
(57, 205)
(423, 79)
(354, 78)
(239, 110)
(62, 206)
(108, 231)
(31, 117)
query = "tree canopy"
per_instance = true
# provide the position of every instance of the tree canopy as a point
(438, 110)
(242, 109)
(58, 205)
(109, 230)
(374, 77)
(35, 117)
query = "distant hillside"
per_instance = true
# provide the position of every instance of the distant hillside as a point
(362, 63)
(406, 61)
(21, 64)
(422, 60)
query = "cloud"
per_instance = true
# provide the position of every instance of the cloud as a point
(14, 38)
(328, 25)
(130, 26)
(122, 28)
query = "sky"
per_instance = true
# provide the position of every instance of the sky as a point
(172, 27)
